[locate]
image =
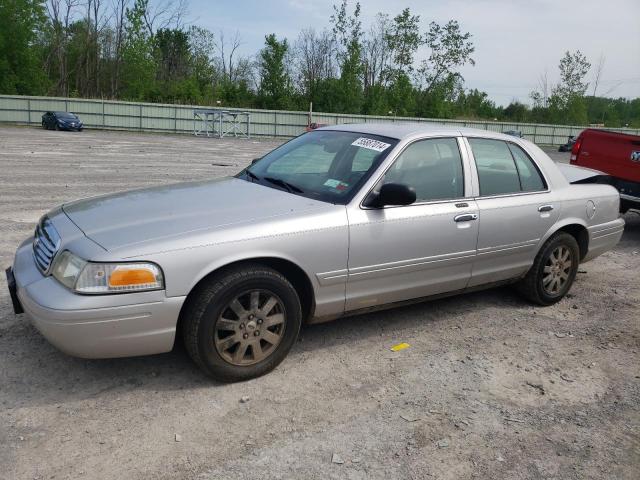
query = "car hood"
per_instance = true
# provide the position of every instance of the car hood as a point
(152, 214)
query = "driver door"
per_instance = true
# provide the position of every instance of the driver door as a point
(399, 253)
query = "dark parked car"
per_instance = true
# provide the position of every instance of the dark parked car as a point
(569, 145)
(61, 121)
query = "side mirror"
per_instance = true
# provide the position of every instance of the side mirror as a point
(255, 160)
(392, 194)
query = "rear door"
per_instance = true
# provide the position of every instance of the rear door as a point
(516, 210)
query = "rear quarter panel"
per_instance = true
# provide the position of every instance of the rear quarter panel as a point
(595, 207)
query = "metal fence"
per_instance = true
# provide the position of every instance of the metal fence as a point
(108, 114)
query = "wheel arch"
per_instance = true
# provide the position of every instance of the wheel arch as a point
(286, 267)
(574, 227)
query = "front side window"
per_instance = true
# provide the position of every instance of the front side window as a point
(504, 168)
(326, 165)
(433, 167)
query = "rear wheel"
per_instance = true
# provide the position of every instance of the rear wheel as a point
(553, 270)
(57, 127)
(242, 323)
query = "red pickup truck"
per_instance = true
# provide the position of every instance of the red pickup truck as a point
(617, 155)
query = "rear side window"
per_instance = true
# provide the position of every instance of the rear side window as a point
(504, 168)
(530, 178)
(497, 172)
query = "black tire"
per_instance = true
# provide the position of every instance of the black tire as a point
(57, 127)
(210, 302)
(532, 286)
(44, 125)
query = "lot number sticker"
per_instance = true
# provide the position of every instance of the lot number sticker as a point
(371, 144)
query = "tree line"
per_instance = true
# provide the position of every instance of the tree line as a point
(144, 50)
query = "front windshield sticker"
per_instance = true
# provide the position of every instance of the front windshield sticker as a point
(337, 184)
(371, 144)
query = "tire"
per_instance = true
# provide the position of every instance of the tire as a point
(229, 340)
(540, 286)
(57, 127)
(43, 125)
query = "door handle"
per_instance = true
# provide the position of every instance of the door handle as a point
(545, 208)
(465, 217)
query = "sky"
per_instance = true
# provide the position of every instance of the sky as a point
(515, 40)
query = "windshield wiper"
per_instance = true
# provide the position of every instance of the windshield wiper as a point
(289, 186)
(252, 175)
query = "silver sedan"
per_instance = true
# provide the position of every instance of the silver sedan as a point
(338, 221)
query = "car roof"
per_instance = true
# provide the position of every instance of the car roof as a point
(411, 129)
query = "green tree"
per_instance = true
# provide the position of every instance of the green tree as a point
(347, 29)
(202, 71)
(450, 50)
(138, 61)
(516, 112)
(573, 69)
(275, 84)
(475, 104)
(401, 95)
(566, 103)
(403, 39)
(20, 68)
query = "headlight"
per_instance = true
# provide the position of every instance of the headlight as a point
(96, 278)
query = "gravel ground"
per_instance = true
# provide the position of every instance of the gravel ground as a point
(491, 387)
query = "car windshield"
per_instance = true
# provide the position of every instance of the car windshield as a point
(326, 165)
(66, 115)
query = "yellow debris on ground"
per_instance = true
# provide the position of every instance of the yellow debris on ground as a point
(400, 346)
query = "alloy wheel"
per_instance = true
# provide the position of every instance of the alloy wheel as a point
(557, 270)
(250, 327)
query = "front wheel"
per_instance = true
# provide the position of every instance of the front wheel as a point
(553, 270)
(242, 323)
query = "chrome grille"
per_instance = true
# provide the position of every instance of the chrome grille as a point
(46, 242)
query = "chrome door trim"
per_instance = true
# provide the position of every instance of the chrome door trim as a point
(358, 273)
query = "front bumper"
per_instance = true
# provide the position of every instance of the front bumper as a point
(68, 127)
(13, 293)
(98, 326)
